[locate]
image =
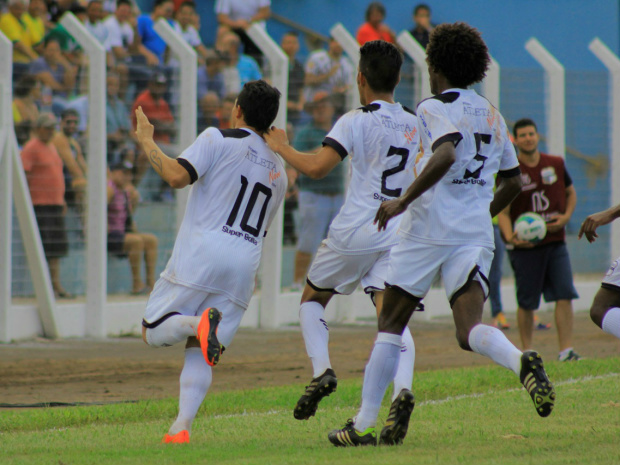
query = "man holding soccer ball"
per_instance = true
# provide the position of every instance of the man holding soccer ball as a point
(540, 262)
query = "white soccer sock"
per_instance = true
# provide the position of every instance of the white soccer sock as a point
(175, 329)
(380, 372)
(404, 373)
(611, 322)
(316, 335)
(491, 342)
(195, 382)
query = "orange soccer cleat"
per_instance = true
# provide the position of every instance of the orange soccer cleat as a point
(207, 335)
(182, 437)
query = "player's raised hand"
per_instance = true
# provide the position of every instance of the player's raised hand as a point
(144, 129)
(276, 138)
(589, 225)
(388, 210)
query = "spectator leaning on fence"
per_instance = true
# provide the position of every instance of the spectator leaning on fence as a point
(46, 182)
(184, 25)
(123, 237)
(241, 68)
(374, 28)
(296, 76)
(422, 24)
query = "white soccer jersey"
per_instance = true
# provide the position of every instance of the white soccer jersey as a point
(382, 139)
(456, 209)
(238, 185)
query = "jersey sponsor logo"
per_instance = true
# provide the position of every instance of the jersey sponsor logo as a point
(425, 125)
(273, 175)
(380, 197)
(540, 202)
(252, 155)
(527, 184)
(235, 233)
(471, 111)
(410, 136)
(389, 123)
(548, 175)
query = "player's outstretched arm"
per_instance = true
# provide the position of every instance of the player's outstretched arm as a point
(168, 168)
(315, 165)
(436, 168)
(589, 225)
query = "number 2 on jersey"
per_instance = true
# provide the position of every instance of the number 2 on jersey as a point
(256, 191)
(403, 153)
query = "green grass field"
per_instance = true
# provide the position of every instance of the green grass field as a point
(462, 416)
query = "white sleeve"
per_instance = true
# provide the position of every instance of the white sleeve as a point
(264, 3)
(114, 34)
(340, 138)
(222, 7)
(199, 157)
(278, 199)
(435, 124)
(192, 37)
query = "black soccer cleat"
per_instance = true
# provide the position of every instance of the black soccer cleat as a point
(319, 387)
(397, 422)
(537, 383)
(348, 436)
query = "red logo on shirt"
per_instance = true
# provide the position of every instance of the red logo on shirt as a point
(411, 134)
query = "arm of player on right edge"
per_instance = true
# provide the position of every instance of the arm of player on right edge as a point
(436, 168)
(589, 225)
(168, 168)
(315, 165)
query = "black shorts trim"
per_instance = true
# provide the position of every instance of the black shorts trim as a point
(401, 291)
(511, 173)
(465, 287)
(155, 324)
(319, 289)
(337, 146)
(371, 291)
(193, 176)
(454, 137)
(610, 287)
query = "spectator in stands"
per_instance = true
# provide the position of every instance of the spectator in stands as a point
(542, 268)
(71, 51)
(296, 76)
(238, 16)
(120, 136)
(319, 200)
(35, 19)
(423, 26)
(94, 23)
(210, 77)
(17, 32)
(50, 71)
(227, 107)
(374, 28)
(184, 24)
(74, 164)
(56, 8)
(329, 71)
(43, 167)
(209, 110)
(152, 45)
(109, 7)
(156, 109)
(241, 68)
(26, 92)
(123, 238)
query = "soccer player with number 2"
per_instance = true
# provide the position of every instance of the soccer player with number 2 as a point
(447, 226)
(382, 141)
(238, 184)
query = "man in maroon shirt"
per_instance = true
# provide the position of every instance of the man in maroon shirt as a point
(542, 268)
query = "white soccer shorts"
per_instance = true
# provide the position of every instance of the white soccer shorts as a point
(612, 278)
(168, 297)
(414, 265)
(335, 272)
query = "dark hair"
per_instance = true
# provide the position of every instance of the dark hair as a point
(259, 102)
(69, 112)
(522, 123)
(291, 33)
(50, 39)
(380, 64)
(123, 2)
(378, 6)
(458, 52)
(188, 3)
(161, 2)
(421, 6)
(24, 86)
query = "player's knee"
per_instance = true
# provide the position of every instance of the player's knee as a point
(462, 337)
(150, 240)
(597, 312)
(388, 322)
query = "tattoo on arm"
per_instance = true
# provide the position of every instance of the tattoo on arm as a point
(156, 161)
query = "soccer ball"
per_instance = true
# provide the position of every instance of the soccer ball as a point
(530, 227)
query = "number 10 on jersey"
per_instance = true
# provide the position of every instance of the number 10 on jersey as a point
(257, 190)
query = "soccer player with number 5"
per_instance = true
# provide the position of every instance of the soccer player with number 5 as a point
(238, 183)
(382, 141)
(447, 227)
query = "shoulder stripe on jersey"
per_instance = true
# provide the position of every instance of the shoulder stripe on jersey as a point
(408, 110)
(510, 173)
(193, 176)
(452, 137)
(334, 144)
(370, 107)
(234, 133)
(448, 97)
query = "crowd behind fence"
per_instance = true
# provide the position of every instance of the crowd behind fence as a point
(50, 111)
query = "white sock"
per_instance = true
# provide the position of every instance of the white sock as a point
(404, 373)
(195, 382)
(175, 329)
(380, 372)
(493, 343)
(611, 322)
(316, 335)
